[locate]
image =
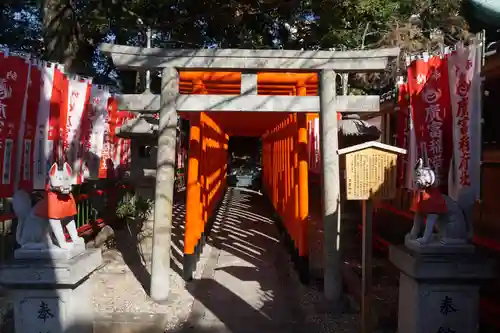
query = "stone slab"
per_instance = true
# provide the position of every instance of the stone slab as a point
(129, 323)
(55, 253)
(436, 246)
(195, 103)
(139, 102)
(31, 272)
(53, 310)
(250, 103)
(139, 57)
(52, 295)
(461, 266)
(434, 308)
(439, 292)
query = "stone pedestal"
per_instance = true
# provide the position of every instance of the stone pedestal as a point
(53, 254)
(52, 295)
(439, 292)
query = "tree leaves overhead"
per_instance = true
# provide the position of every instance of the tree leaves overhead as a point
(20, 28)
(69, 31)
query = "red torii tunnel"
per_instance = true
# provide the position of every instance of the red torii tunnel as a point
(284, 155)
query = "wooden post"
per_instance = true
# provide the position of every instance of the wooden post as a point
(366, 267)
(370, 175)
(303, 187)
(165, 178)
(193, 195)
(330, 186)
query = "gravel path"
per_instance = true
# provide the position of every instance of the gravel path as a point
(120, 285)
(249, 284)
(245, 282)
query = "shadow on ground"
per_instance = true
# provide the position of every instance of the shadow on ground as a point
(246, 286)
(133, 241)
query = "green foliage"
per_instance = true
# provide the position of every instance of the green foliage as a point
(133, 206)
(69, 32)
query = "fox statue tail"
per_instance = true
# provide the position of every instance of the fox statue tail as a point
(21, 203)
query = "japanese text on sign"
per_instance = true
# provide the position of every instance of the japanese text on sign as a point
(69, 124)
(44, 312)
(431, 95)
(463, 118)
(370, 173)
(6, 92)
(446, 307)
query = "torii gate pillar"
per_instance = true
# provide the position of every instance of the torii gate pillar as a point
(164, 189)
(330, 187)
(327, 63)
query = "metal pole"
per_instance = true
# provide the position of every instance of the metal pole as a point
(148, 72)
(366, 267)
(345, 85)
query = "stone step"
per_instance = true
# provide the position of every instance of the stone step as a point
(130, 323)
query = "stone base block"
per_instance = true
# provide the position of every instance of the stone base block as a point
(437, 246)
(435, 266)
(130, 323)
(428, 307)
(439, 293)
(55, 253)
(52, 296)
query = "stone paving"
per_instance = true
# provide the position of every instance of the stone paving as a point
(244, 282)
(243, 287)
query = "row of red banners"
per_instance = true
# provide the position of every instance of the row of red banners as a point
(439, 117)
(48, 116)
(313, 148)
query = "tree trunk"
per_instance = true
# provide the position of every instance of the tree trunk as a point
(63, 38)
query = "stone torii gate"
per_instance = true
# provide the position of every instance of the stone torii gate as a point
(249, 62)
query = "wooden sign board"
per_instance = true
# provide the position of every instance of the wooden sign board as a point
(371, 171)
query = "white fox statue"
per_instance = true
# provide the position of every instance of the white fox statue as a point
(452, 218)
(37, 225)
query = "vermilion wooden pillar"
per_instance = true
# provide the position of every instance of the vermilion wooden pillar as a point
(303, 181)
(193, 211)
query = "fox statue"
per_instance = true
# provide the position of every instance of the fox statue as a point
(453, 218)
(40, 225)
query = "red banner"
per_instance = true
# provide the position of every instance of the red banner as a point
(44, 148)
(58, 112)
(402, 129)
(417, 76)
(430, 102)
(106, 168)
(465, 84)
(73, 125)
(27, 157)
(96, 123)
(118, 143)
(13, 85)
(124, 144)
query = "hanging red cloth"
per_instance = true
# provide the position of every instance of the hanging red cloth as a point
(56, 206)
(428, 201)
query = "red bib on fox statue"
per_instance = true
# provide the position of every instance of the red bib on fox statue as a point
(41, 225)
(58, 201)
(428, 201)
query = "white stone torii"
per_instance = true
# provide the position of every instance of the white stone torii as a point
(249, 62)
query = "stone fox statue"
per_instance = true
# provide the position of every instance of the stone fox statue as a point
(453, 218)
(37, 225)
